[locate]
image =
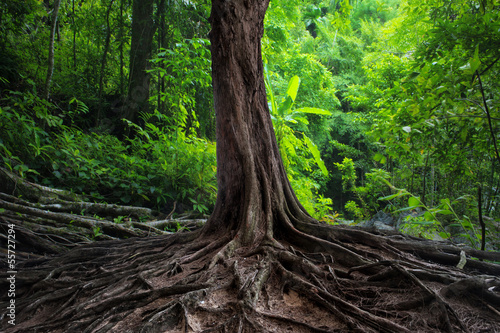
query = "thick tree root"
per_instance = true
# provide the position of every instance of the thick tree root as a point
(309, 278)
(180, 283)
(47, 229)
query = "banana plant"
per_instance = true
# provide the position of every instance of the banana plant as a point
(284, 115)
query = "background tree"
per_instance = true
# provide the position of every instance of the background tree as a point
(50, 66)
(143, 29)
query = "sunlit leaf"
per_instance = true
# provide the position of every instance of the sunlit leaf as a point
(293, 87)
(315, 152)
(413, 202)
(313, 111)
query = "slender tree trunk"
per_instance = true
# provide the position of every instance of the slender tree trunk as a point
(254, 194)
(424, 175)
(161, 44)
(73, 25)
(103, 60)
(50, 67)
(140, 52)
(480, 213)
(122, 36)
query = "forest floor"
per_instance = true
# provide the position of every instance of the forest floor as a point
(83, 267)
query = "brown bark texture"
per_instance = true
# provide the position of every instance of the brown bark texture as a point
(143, 30)
(50, 66)
(254, 194)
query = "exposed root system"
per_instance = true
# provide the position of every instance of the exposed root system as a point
(181, 283)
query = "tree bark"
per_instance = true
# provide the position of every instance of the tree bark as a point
(143, 29)
(107, 42)
(50, 66)
(254, 194)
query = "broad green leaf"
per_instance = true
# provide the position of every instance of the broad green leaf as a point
(441, 89)
(475, 62)
(429, 216)
(302, 120)
(380, 158)
(412, 76)
(314, 111)
(285, 106)
(293, 87)
(466, 68)
(403, 209)
(315, 152)
(446, 202)
(467, 224)
(444, 235)
(413, 202)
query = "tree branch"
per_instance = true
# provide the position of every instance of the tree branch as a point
(487, 110)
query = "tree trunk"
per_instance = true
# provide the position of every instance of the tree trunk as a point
(50, 67)
(143, 29)
(254, 194)
(120, 47)
(103, 61)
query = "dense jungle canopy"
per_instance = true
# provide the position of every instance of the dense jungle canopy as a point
(337, 125)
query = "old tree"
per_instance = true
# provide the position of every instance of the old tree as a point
(260, 263)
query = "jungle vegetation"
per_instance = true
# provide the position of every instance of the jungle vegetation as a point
(284, 120)
(377, 105)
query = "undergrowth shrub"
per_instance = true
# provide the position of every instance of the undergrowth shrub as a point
(151, 170)
(156, 168)
(24, 138)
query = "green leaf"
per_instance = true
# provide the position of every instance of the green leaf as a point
(429, 217)
(444, 235)
(302, 120)
(285, 106)
(380, 158)
(422, 222)
(475, 62)
(395, 195)
(293, 87)
(315, 152)
(414, 202)
(314, 111)
(412, 76)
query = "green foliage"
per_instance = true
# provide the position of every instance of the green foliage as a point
(152, 169)
(348, 174)
(432, 96)
(410, 87)
(357, 212)
(442, 220)
(184, 69)
(119, 219)
(96, 232)
(299, 153)
(177, 228)
(24, 140)
(155, 167)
